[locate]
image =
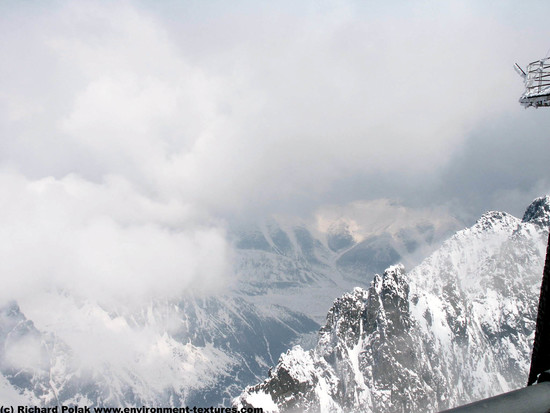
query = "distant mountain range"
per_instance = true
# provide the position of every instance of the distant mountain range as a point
(204, 350)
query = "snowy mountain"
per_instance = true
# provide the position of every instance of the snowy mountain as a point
(457, 328)
(207, 349)
(190, 351)
(278, 263)
(368, 237)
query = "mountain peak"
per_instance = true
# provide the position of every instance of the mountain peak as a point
(538, 212)
(495, 220)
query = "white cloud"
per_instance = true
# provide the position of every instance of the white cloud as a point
(131, 128)
(367, 218)
(193, 114)
(82, 258)
(103, 242)
(259, 106)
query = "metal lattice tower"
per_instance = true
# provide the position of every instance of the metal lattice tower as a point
(537, 83)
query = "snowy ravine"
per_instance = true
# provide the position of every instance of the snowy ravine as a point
(457, 328)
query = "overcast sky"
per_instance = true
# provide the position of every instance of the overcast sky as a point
(131, 130)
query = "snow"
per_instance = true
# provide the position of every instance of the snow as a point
(298, 363)
(10, 396)
(361, 391)
(262, 400)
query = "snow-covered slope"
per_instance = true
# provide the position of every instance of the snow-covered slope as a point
(458, 327)
(191, 352)
(289, 266)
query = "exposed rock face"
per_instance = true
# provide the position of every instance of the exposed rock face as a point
(457, 328)
(538, 212)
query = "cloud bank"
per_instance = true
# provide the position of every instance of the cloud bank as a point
(104, 241)
(257, 107)
(131, 131)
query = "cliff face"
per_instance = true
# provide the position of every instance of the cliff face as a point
(457, 328)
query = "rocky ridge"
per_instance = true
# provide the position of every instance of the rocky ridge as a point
(457, 328)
